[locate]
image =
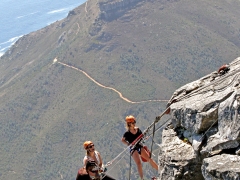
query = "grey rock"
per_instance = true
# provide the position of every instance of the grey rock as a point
(225, 166)
(228, 126)
(205, 122)
(177, 159)
(62, 38)
(238, 151)
(197, 142)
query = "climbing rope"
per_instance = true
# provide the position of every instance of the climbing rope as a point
(158, 118)
(159, 127)
(215, 82)
(152, 140)
(130, 166)
(139, 139)
(113, 165)
(153, 125)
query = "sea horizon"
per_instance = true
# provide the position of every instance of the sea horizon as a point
(21, 18)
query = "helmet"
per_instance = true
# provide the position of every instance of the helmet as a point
(86, 144)
(130, 119)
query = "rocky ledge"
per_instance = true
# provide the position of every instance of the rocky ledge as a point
(202, 140)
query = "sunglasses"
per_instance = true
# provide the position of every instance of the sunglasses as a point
(90, 146)
(131, 123)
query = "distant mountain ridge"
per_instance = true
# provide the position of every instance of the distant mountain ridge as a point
(145, 51)
(110, 9)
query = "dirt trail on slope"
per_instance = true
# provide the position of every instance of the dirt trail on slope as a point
(106, 87)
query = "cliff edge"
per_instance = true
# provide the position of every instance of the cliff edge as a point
(202, 140)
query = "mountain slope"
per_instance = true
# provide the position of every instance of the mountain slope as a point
(143, 49)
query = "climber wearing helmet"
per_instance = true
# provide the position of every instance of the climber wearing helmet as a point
(138, 152)
(93, 155)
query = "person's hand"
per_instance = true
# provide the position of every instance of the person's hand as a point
(104, 169)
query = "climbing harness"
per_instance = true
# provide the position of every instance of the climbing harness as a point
(222, 70)
(152, 140)
(140, 138)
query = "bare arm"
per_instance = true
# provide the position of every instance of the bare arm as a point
(125, 142)
(84, 161)
(100, 159)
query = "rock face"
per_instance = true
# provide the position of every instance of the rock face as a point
(223, 166)
(177, 159)
(205, 128)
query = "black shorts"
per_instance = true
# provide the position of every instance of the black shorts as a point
(137, 148)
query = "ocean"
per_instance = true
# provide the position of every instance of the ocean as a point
(18, 18)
